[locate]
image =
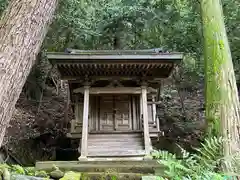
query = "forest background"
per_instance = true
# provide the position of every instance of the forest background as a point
(172, 25)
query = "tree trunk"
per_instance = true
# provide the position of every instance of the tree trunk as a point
(222, 102)
(22, 30)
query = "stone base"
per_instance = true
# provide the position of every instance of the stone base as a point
(125, 166)
(147, 157)
(83, 158)
(150, 177)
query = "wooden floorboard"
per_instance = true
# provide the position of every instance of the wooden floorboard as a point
(116, 132)
(153, 133)
(116, 153)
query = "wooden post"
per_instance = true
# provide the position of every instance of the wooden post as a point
(147, 142)
(154, 107)
(154, 110)
(84, 140)
(135, 127)
(141, 112)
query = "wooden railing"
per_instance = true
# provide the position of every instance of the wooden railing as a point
(156, 123)
(156, 133)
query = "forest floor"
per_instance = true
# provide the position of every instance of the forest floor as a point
(35, 133)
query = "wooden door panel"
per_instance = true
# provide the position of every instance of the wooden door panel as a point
(115, 113)
(106, 113)
(122, 113)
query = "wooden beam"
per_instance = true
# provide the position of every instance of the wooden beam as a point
(110, 78)
(115, 90)
(147, 141)
(84, 140)
(156, 102)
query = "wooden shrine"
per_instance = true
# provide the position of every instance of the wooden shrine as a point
(113, 93)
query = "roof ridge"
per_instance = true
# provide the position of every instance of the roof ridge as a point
(119, 51)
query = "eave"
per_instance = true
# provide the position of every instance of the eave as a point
(114, 63)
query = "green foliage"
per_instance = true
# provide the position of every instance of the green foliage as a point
(35, 84)
(3, 4)
(30, 171)
(171, 24)
(17, 169)
(203, 165)
(71, 176)
(40, 174)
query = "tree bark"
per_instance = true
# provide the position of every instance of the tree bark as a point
(22, 31)
(222, 102)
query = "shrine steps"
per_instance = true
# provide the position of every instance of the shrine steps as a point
(116, 145)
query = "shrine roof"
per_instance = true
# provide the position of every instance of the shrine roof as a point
(151, 62)
(85, 55)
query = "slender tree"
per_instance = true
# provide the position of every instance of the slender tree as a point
(222, 102)
(23, 27)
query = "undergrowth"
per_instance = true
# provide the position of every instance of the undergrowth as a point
(205, 164)
(17, 169)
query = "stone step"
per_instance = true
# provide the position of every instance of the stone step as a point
(121, 166)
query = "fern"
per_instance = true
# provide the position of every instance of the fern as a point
(202, 165)
(30, 171)
(163, 155)
(210, 154)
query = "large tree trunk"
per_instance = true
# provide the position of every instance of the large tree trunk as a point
(22, 30)
(222, 102)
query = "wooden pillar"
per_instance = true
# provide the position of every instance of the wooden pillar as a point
(84, 140)
(141, 112)
(147, 142)
(135, 126)
(76, 112)
(154, 110)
